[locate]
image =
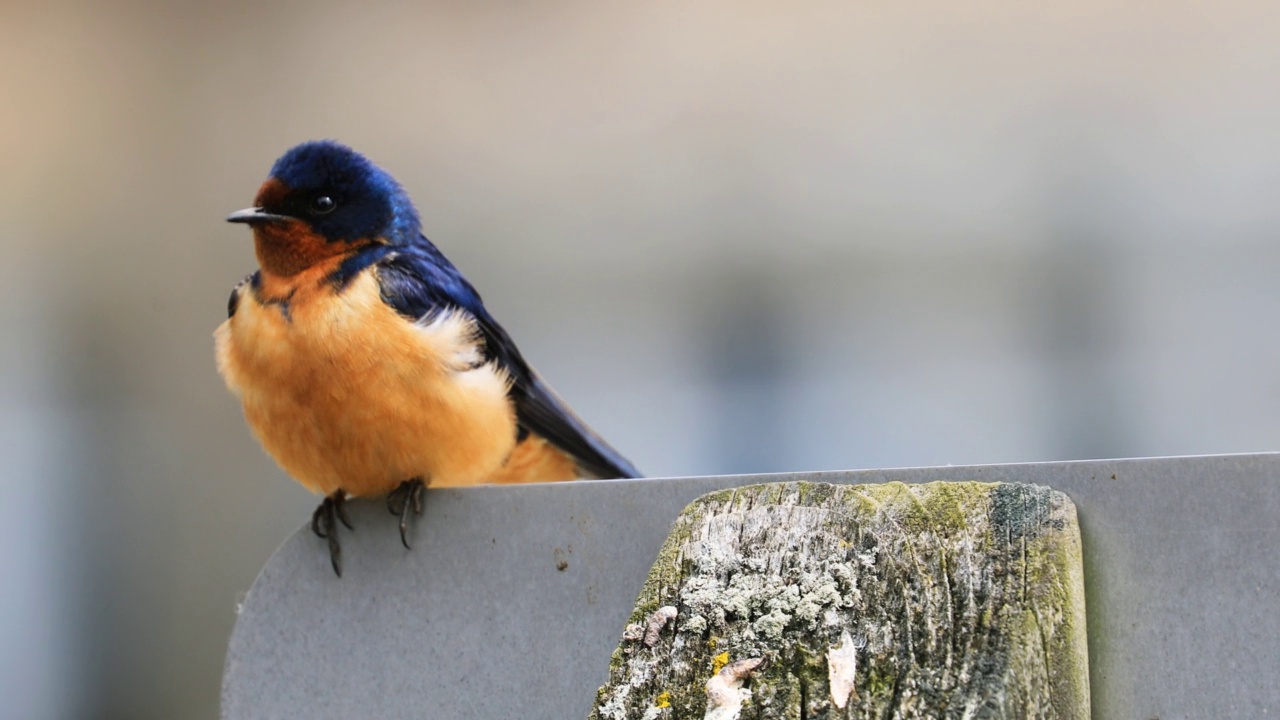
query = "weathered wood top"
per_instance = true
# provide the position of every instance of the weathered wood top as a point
(809, 600)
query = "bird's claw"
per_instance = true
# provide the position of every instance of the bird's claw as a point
(324, 523)
(403, 499)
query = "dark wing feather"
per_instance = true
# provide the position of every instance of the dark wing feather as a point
(419, 282)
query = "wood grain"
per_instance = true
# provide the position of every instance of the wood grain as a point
(808, 601)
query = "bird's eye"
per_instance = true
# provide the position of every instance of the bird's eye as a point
(322, 205)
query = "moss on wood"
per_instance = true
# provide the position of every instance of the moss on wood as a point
(938, 600)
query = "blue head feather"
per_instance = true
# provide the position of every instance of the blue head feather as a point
(369, 202)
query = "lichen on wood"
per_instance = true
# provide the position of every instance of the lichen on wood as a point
(956, 600)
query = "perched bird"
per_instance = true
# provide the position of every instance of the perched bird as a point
(368, 365)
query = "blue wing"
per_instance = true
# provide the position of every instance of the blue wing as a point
(419, 281)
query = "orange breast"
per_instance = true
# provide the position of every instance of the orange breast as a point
(346, 393)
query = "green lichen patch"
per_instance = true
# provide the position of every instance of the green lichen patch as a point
(953, 596)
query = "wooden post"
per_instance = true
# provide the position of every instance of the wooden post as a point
(806, 600)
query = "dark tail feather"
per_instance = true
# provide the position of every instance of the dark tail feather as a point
(543, 413)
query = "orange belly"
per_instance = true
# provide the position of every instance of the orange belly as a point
(535, 460)
(346, 394)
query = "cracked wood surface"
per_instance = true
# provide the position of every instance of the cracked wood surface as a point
(808, 601)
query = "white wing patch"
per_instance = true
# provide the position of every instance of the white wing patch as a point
(455, 337)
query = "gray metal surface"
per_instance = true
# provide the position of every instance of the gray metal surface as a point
(1182, 563)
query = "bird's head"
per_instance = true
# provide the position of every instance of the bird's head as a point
(322, 200)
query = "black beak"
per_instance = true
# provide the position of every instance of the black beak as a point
(255, 215)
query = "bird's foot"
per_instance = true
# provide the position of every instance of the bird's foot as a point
(324, 523)
(403, 499)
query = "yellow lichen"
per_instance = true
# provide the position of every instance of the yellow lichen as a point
(718, 662)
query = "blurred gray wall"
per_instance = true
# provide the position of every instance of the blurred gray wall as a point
(738, 237)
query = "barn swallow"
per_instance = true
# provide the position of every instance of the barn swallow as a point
(367, 365)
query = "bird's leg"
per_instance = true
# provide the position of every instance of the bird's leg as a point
(403, 499)
(324, 523)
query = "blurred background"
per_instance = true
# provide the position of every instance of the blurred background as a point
(737, 237)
